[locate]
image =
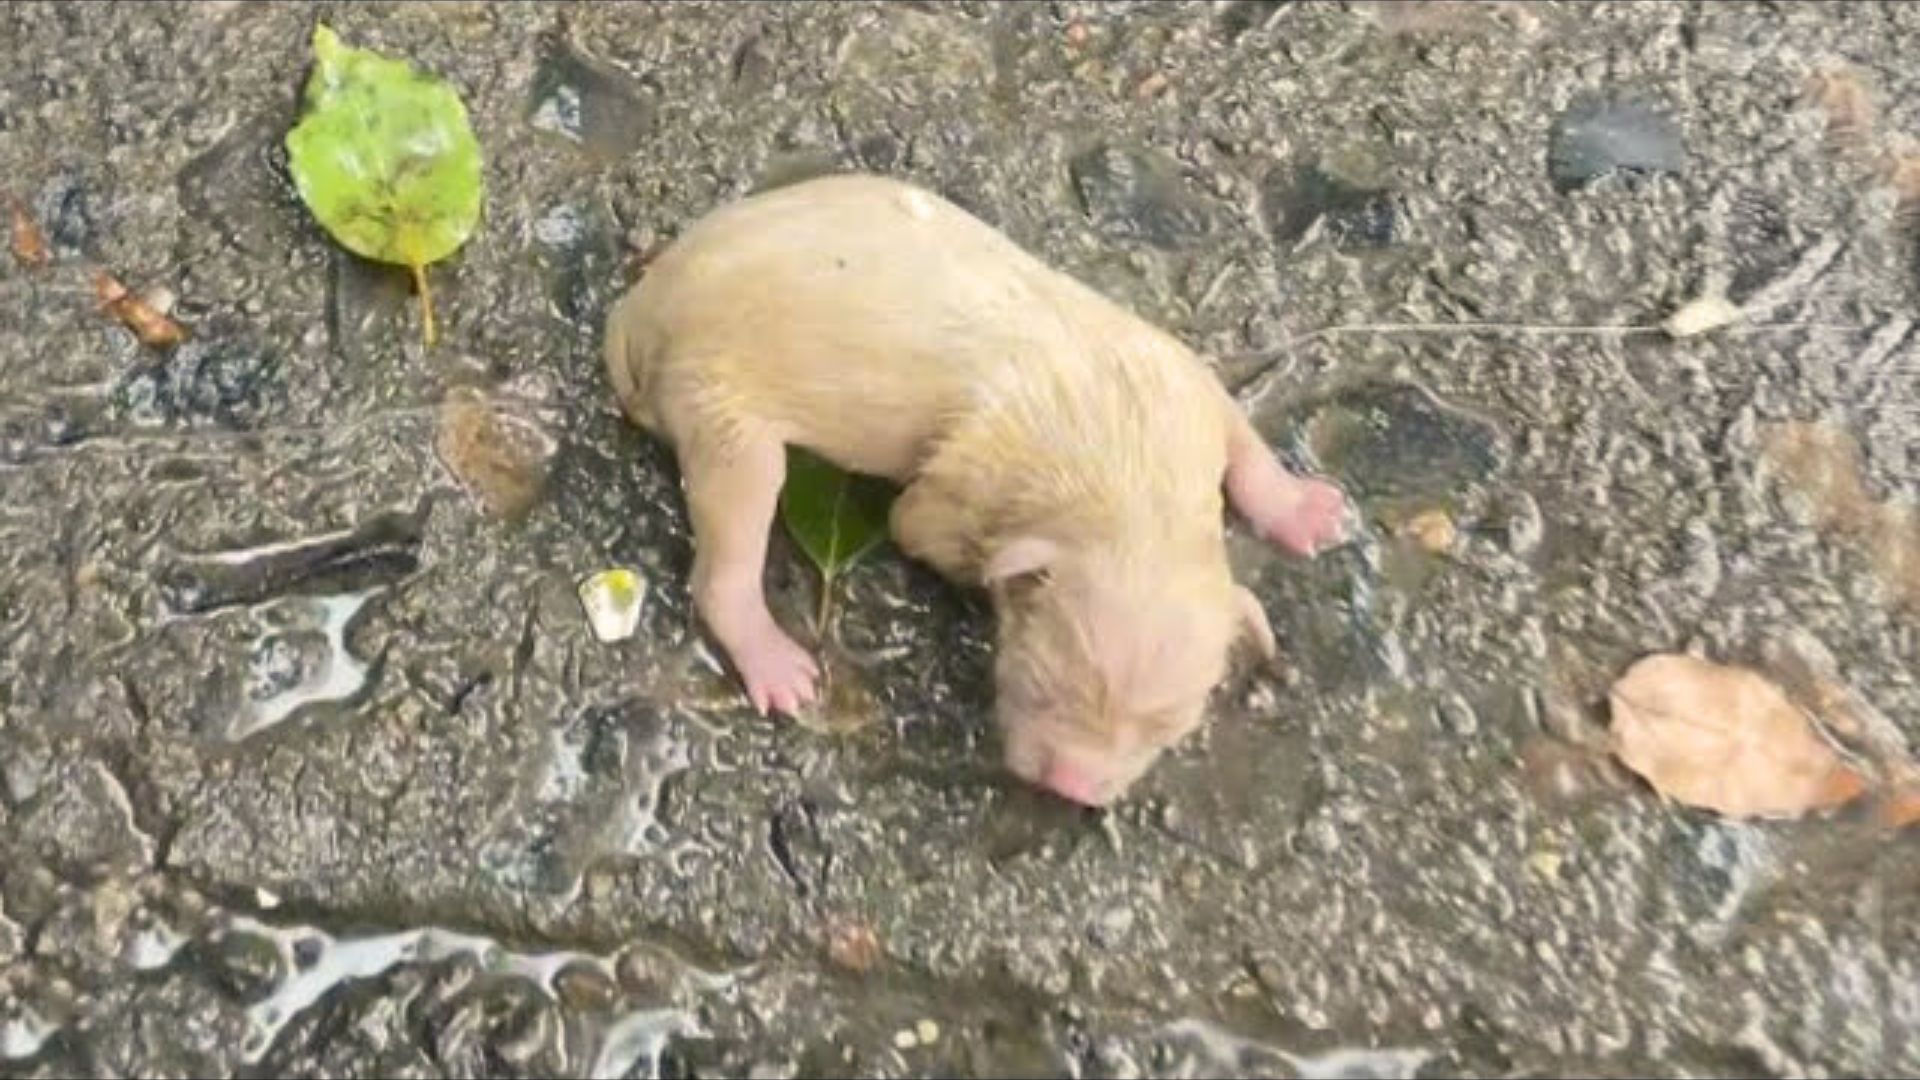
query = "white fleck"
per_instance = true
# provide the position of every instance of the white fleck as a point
(1701, 315)
(560, 113)
(639, 1036)
(627, 1041)
(341, 675)
(153, 947)
(24, 1035)
(159, 298)
(1228, 1051)
(560, 227)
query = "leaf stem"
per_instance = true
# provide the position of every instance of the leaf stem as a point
(825, 610)
(426, 301)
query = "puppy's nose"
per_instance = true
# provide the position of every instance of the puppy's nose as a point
(1070, 782)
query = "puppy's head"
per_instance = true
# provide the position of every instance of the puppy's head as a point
(1105, 661)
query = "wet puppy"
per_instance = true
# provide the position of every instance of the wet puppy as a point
(1052, 447)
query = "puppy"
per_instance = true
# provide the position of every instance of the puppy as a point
(1051, 447)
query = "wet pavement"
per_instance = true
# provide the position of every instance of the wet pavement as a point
(310, 762)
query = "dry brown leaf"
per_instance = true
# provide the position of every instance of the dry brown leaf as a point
(1842, 94)
(853, 946)
(503, 458)
(1725, 739)
(147, 323)
(1810, 674)
(29, 243)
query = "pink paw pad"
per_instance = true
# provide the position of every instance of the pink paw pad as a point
(779, 674)
(1311, 518)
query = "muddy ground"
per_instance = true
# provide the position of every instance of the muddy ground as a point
(310, 763)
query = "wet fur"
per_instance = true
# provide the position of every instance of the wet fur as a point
(1052, 446)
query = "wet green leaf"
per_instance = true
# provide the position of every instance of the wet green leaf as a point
(836, 517)
(385, 158)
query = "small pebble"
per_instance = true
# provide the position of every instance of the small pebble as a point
(1545, 865)
(160, 298)
(1433, 530)
(905, 1039)
(927, 1031)
(1700, 316)
(612, 599)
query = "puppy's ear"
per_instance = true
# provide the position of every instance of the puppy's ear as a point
(1253, 622)
(1019, 557)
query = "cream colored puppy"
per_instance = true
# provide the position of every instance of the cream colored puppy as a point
(1052, 447)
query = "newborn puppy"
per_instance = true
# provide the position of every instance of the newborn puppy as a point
(1051, 446)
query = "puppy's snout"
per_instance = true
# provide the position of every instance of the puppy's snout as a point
(1073, 783)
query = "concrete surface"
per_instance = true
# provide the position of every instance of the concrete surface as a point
(309, 762)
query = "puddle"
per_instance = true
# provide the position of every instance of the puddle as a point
(1594, 138)
(590, 102)
(339, 962)
(380, 551)
(597, 794)
(280, 683)
(320, 963)
(1399, 440)
(1355, 213)
(153, 947)
(1127, 191)
(23, 1035)
(639, 1037)
(1223, 1051)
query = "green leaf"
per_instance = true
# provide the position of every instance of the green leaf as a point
(835, 516)
(385, 158)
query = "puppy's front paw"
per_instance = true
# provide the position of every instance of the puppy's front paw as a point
(1308, 518)
(780, 675)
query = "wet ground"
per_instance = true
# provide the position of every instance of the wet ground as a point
(310, 763)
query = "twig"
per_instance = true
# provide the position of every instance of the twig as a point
(1795, 281)
(1867, 363)
(1258, 385)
